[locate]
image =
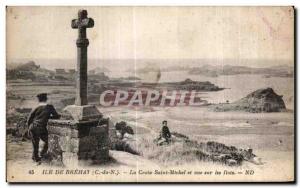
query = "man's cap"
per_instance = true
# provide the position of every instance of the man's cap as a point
(41, 95)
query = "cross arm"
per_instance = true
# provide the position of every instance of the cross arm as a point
(84, 23)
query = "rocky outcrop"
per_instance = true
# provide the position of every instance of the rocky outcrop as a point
(262, 100)
(189, 85)
(26, 71)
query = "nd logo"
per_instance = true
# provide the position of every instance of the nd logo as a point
(249, 172)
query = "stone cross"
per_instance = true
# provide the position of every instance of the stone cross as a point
(82, 43)
(84, 125)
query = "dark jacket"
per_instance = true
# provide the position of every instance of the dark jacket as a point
(41, 114)
(165, 132)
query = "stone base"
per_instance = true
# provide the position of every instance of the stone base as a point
(83, 113)
(74, 142)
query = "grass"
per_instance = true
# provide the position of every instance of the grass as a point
(176, 153)
(183, 150)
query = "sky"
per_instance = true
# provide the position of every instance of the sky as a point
(237, 33)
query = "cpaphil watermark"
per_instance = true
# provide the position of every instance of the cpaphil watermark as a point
(150, 98)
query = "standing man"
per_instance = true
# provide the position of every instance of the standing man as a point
(165, 133)
(37, 123)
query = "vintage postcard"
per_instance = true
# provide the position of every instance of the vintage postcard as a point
(150, 94)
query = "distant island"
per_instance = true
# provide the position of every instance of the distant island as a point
(215, 71)
(33, 72)
(187, 85)
(203, 67)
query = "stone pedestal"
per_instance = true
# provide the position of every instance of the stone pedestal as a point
(80, 140)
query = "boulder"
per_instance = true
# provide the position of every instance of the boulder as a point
(261, 100)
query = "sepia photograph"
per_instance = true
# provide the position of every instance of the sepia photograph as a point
(150, 94)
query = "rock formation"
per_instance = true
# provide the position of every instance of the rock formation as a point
(262, 100)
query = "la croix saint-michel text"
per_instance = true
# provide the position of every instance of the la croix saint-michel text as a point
(134, 172)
